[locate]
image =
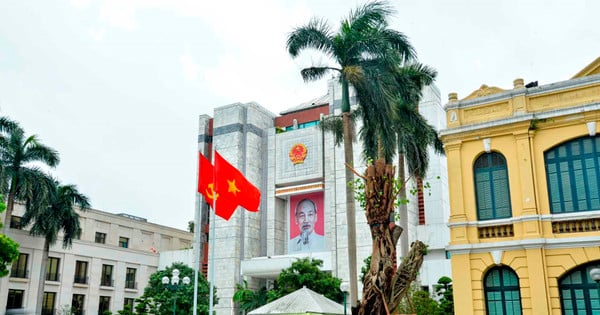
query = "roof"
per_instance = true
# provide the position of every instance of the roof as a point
(302, 301)
(315, 102)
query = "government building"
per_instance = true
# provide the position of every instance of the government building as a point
(107, 268)
(524, 185)
(301, 175)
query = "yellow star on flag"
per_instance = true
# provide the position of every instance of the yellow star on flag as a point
(232, 188)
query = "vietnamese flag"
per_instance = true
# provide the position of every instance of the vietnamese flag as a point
(228, 185)
(206, 185)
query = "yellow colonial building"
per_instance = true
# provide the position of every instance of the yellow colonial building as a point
(524, 180)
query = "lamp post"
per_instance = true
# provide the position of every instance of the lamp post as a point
(345, 287)
(174, 286)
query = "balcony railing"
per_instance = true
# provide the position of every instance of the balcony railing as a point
(53, 276)
(130, 285)
(107, 283)
(80, 279)
(20, 273)
(496, 231)
(576, 226)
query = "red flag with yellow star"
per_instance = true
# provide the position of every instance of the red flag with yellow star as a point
(206, 185)
(228, 185)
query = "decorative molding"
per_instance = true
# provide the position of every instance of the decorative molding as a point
(487, 145)
(497, 256)
(291, 190)
(484, 90)
(591, 126)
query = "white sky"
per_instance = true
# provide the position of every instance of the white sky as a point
(116, 86)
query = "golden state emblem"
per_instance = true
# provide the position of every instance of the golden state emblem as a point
(298, 153)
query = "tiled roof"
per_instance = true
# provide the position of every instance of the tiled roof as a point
(319, 101)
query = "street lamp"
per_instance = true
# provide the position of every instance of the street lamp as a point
(174, 286)
(345, 288)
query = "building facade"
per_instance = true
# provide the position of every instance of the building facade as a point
(524, 170)
(108, 267)
(300, 173)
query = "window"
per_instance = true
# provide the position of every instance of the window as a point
(123, 242)
(491, 187)
(104, 304)
(578, 292)
(48, 303)
(100, 238)
(52, 269)
(77, 304)
(128, 302)
(19, 267)
(81, 272)
(130, 279)
(15, 299)
(573, 175)
(502, 296)
(106, 277)
(15, 222)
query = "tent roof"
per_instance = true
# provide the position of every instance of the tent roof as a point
(302, 301)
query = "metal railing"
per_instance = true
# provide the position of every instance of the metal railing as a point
(130, 285)
(107, 283)
(80, 279)
(19, 273)
(50, 276)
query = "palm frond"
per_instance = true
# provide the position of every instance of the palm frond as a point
(41, 153)
(369, 15)
(314, 73)
(8, 125)
(316, 34)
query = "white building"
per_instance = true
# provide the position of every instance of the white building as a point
(289, 158)
(105, 269)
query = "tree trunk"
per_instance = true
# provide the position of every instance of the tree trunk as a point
(384, 286)
(350, 207)
(42, 280)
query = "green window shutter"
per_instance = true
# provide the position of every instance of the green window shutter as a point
(491, 187)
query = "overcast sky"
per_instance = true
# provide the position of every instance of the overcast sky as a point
(117, 86)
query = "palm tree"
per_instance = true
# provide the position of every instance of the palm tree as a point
(363, 41)
(19, 178)
(49, 217)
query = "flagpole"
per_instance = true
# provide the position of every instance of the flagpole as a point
(211, 237)
(197, 247)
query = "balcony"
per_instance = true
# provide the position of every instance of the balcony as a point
(131, 285)
(576, 226)
(107, 282)
(80, 280)
(53, 276)
(496, 231)
(20, 273)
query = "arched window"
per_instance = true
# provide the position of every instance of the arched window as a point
(502, 296)
(578, 292)
(573, 175)
(491, 187)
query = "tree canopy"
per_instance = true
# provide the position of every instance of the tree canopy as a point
(9, 249)
(158, 299)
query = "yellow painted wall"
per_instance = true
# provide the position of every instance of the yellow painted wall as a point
(523, 143)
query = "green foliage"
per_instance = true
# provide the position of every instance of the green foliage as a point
(126, 310)
(444, 290)
(305, 272)
(421, 303)
(191, 226)
(365, 268)
(9, 249)
(248, 299)
(158, 299)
